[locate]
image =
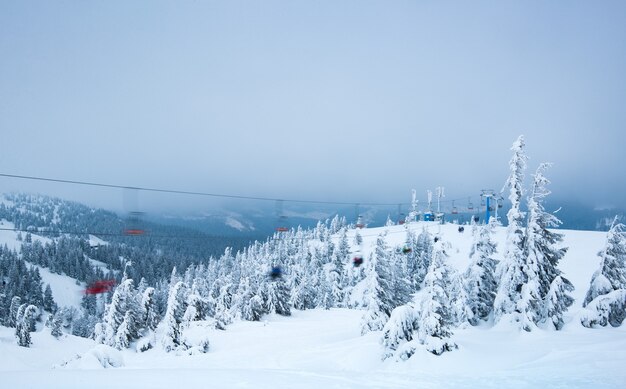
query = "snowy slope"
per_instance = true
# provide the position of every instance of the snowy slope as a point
(10, 237)
(320, 348)
(65, 290)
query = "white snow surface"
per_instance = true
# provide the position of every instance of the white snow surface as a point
(320, 348)
(94, 241)
(236, 224)
(10, 237)
(64, 289)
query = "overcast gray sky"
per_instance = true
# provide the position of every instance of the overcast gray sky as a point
(332, 100)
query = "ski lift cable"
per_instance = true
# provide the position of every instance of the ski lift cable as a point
(205, 194)
(95, 233)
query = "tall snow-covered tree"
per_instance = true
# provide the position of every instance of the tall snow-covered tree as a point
(126, 332)
(426, 321)
(16, 302)
(48, 301)
(25, 324)
(55, 326)
(121, 302)
(378, 284)
(174, 316)
(249, 304)
(480, 280)
(149, 315)
(277, 294)
(544, 251)
(424, 252)
(511, 269)
(558, 300)
(436, 318)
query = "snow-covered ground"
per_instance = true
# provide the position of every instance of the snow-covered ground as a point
(65, 290)
(318, 348)
(9, 238)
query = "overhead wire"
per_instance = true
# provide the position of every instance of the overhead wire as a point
(95, 233)
(209, 194)
(184, 192)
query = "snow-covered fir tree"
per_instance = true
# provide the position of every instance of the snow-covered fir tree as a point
(510, 271)
(334, 272)
(424, 252)
(480, 280)
(56, 325)
(149, 315)
(399, 330)
(174, 316)
(16, 301)
(126, 332)
(25, 324)
(276, 294)
(401, 281)
(122, 301)
(544, 251)
(605, 301)
(427, 320)
(378, 284)
(436, 318)
(48, 300)
(249, 304)
(611, 275)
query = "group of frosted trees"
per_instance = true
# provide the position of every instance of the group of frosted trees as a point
(525, 288)
(315, 271)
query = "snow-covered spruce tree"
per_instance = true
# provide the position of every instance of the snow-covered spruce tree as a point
(425, 321)
(325, 293)
(302, 292)
(174, 316)
(480, 280)
(149, 315)
(121, 302)
(223, 303)
(26, 325)
(612, 272)
(400, 278)
(378, 294)
(277, 294)
(543, 255)
(510, 270)
(56, 325)
(126, 332)
(435, 318)
(558, 300)
(335, 272)
(48, 301)
(11, 321)
(414, 266)
(399, 329)
(459, 305)
(194, 311)
(424, 252)
(606, 297)
(248, 302)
